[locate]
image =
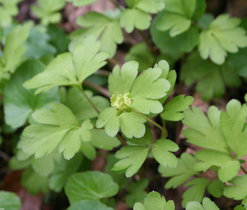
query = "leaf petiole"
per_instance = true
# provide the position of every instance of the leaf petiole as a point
(163, 129)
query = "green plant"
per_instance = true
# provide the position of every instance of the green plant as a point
(69, 99)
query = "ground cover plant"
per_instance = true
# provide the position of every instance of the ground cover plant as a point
(129, 104)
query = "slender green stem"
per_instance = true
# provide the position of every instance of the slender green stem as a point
(89, 100)
(163, 129)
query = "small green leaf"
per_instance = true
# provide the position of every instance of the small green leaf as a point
(207, 72)
(177, 15)
(70, 68)
(215, 188)
(204, 131)
(131, 159)
(183, 171)
(223, 35)
(228, 168)
(238, 189)
(173, 109)
(134, 18)
(63, 170)
(196, 191)
(19, 103)
(9, 201)
(88, 204)
(48, 11)
(162, 152)
(101, 26)
(8, 9)
(174, 46)
(233, 124)
(207, 204)
(90, 185)
(14, 50)
(102, 141)
(137, 16)
(155, 201)
(42, 47)
(55, 128)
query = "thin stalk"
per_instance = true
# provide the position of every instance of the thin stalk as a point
(243, 169)
(164, 130)
(121, 139)
(98, 88)
(116, 4)
(89, 100)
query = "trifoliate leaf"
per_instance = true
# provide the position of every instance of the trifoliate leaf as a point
(155, 201)
(207, 204)
(101, 26)
(70, 68)
(142, 55)
(238, 189)
(136, 192)
(180, 174)
(228, 168)
(9, 201)
(197, 188)
(137, 16)
(8, 9)
(14, 50)
(162, 152)
(56, 128)
(19, 102)
(131, 159)
(219, 77)
(78, 3)
(128, 93)
(214, 132)
(90, 185)
(34, 182)
(80, 106)
(48, 11)
(177, 15)
(223, 35)
(174, 46)
(89, 204)
(173, 109)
